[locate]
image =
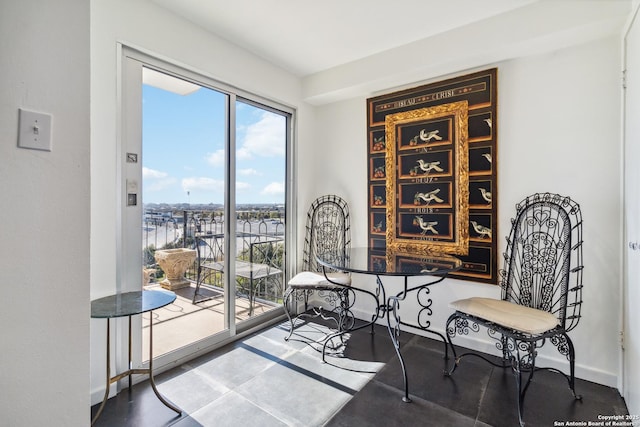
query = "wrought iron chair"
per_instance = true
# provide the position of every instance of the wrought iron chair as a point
(541, 284)
(256, 269)
(328, 231)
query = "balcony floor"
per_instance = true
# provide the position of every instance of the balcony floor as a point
(182, 322)
(263, 380)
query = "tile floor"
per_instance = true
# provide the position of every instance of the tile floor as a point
(266, 381)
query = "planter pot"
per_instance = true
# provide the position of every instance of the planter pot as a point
(174, 263)
(146, 275)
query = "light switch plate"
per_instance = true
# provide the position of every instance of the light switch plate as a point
(34, 130)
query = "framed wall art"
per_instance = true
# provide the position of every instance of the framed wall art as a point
(427, 189)
(397, 206)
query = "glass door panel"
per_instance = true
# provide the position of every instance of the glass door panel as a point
(260, 169)
(183, 197)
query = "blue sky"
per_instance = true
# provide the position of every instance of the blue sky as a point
(183, 149)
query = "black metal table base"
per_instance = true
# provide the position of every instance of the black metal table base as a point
(389, 309)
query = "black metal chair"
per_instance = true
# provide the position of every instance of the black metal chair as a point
(541, 284)
(328, 232)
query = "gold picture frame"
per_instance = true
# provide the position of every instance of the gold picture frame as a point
(427, 180)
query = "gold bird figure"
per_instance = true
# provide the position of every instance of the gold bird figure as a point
(426, 225)
(428, 136)
(486, 194)
(481, 229)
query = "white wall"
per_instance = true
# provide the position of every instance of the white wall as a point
(44, 220)
(147, 27)
(558, 131)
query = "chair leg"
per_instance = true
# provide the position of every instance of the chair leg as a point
(449, 332)
(343, 299)
(291, 296)
(516, 368)
(287, 305)
(572, 367)
(518, 364)
(349, 319)
(343, 320)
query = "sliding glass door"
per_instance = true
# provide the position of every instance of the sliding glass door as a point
(203, 204)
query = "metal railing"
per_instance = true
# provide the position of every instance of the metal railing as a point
(258, 241)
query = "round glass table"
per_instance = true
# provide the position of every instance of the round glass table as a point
(384, 263)
(128, 304)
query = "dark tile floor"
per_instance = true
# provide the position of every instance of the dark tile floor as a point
(265, 381)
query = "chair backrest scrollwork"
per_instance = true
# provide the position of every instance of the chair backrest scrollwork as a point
(328, 232)
(543, 259)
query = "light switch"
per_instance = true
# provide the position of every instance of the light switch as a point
(34, 130)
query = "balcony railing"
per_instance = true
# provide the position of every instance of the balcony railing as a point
(258, 260)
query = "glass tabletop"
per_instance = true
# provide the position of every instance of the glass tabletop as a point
(130, 303)
(390, 263)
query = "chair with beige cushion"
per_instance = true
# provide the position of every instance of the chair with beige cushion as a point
(328, 234)
(541, 284)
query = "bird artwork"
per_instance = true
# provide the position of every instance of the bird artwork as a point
(488, 122)
(428, 167)
(425, 226)
(427, 197)
(481, 230)
(486, 195)
(428, 136)
(487, 156)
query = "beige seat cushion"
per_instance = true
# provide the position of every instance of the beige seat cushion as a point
(309, 279)
(507, 314)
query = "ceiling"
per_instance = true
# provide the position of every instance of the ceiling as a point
(306, 37)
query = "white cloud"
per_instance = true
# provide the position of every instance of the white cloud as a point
(249, 171)
(203, 184)
(216, 158)
(155, 180)
(273, 188)
(265, 138)
(153, 174)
